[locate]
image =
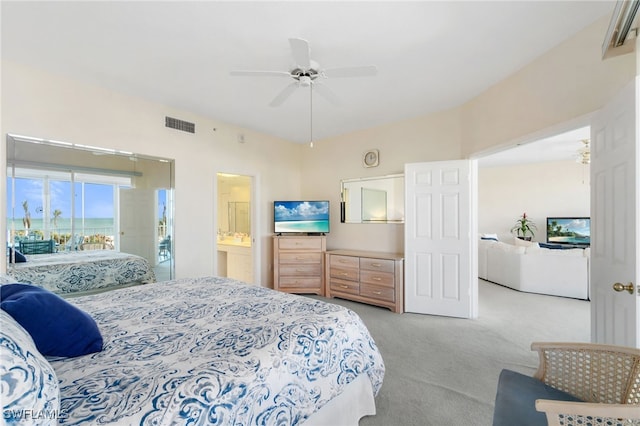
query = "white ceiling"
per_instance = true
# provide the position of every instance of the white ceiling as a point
(561, 147)
(430, 55)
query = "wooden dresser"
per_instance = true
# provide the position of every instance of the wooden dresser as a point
(298, 264)
(371, 277)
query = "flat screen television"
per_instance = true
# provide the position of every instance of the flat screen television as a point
(569, 230)
(303, 216)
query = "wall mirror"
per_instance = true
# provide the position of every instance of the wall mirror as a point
(77, 198)
(373, 200)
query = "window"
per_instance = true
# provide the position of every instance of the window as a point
(44, 206)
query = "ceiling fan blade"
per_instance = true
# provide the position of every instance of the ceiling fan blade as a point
(261, 73)
(326, 93)
(284, 94)
(362, 71)
(301, 52)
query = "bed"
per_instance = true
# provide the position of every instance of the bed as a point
(217, 351)
(82, 271)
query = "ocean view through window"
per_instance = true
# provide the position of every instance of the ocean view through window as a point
(42, 205)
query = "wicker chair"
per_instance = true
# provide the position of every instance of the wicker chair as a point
(606, 377)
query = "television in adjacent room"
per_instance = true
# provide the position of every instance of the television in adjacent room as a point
(569, 230)
(302, 216)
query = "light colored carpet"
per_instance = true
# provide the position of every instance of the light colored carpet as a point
(444, 371)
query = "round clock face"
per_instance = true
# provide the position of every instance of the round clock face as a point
(371, 158)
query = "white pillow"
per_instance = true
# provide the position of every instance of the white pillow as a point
(523, 243)
(29, 383)
(508, 248)
(534, 248)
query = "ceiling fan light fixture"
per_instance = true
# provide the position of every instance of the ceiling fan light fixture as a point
(584, 153)
(305, 81)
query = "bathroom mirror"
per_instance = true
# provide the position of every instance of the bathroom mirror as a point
(373, 200)
(239, 217)
(77, 198)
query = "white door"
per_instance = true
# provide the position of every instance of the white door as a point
(440, 247)
(137, 223)
(614, 220)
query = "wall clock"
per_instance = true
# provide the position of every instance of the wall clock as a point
(370, 158)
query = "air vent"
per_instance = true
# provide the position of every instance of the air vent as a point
(182, 125)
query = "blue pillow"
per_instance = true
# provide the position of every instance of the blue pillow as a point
(57, 327)
(555, 246)
(15, 254)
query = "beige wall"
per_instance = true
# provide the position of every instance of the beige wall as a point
(432, 138)
(47, 106)
(541, 190)
(564, 84)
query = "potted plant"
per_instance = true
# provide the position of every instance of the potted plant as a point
(524, 226)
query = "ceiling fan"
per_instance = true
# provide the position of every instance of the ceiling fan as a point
(307, 73)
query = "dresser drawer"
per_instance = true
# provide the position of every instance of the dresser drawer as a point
(304, 269)
(343, 286)
(383, 265)
(377, 278)
(300, 257)
(344, 262)
(300, 244)
(300, 282)
(377, 292)
(345, 274)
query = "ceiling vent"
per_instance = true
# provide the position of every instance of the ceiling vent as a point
(181, 125)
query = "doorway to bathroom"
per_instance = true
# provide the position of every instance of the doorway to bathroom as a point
(234, 227)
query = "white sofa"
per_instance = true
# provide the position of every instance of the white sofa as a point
(534, 269)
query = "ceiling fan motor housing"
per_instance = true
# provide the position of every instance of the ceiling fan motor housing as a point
(305, 76)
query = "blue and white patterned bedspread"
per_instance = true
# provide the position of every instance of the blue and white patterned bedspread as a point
(70, 272)
(213, 351)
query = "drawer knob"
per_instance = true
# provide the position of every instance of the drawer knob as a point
(344, 274)
(377, 265)
(344, 286)
(376, 278)
(377, 292)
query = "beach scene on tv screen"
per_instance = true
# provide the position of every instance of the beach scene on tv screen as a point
(301, 216)
(568, 230)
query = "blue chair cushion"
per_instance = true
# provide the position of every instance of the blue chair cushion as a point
(516, 400)
(57, 327)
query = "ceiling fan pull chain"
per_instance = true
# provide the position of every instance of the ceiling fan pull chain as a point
(311, 115)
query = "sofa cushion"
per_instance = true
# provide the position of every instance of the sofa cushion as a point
(523, 243)
(508, 247)
(516, 400)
